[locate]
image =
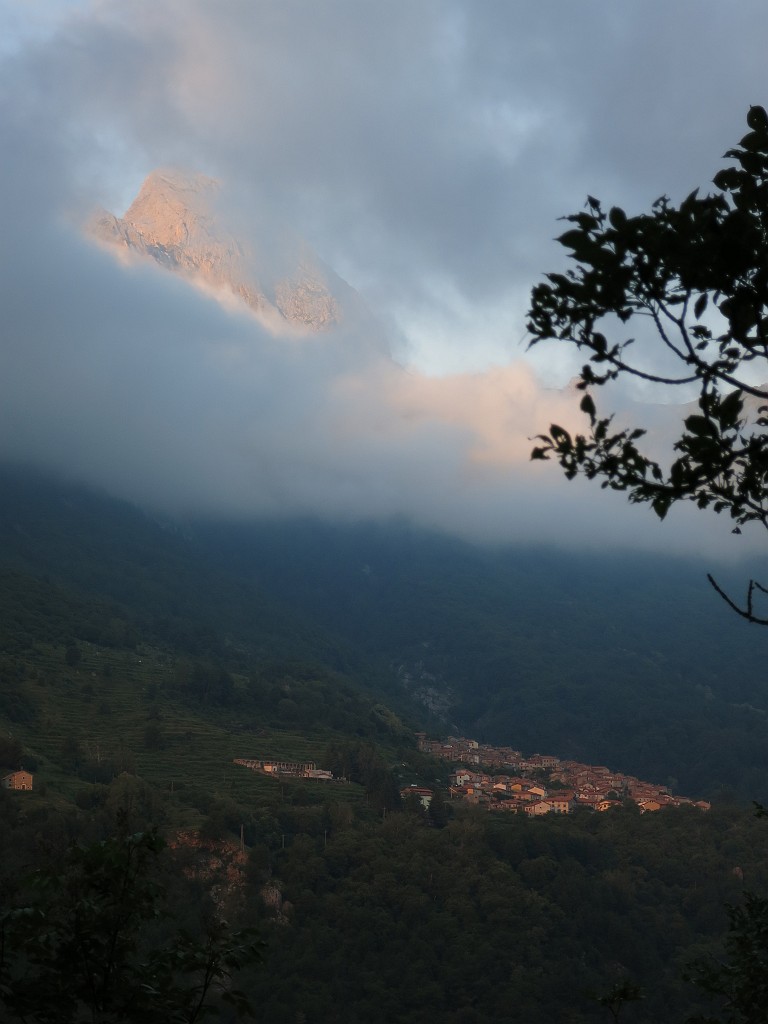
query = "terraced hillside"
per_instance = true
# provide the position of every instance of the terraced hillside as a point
(86, 713)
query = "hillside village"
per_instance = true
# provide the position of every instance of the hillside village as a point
(512, 784)
(540, 784)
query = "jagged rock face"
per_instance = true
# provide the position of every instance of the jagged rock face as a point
(173, 220)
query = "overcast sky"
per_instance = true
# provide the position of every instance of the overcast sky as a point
(425, 148)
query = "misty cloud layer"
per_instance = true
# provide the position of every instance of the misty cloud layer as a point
(425, 151)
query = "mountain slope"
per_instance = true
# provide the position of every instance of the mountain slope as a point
(627, 660)
(98, 546)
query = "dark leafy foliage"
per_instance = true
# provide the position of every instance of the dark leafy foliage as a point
(740, 981)
(78, 950)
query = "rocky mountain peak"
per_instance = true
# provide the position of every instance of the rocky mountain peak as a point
(174, 209)
(175, 220)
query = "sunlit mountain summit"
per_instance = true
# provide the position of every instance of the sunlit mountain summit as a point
(180, 221)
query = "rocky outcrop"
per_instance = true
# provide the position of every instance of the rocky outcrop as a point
(176, 221)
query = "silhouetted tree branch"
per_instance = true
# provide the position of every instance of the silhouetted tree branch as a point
(697, 273)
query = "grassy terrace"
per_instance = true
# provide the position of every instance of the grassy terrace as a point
(121, 706)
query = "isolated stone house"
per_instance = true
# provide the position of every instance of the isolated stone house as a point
(17, 780)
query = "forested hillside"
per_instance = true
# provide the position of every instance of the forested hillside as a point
(625, 660)
(389, 919)
(137, 661)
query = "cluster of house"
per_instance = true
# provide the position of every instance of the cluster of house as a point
(296, 769)
(534, 785)
(542, 784)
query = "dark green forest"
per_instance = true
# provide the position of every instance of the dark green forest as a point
(481, 920)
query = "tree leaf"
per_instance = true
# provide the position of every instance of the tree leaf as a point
(587, 405)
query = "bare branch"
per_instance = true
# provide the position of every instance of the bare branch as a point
(747, 613)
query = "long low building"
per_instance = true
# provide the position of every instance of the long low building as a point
(297, 769)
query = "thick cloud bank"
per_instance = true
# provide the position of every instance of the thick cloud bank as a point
(425, 150)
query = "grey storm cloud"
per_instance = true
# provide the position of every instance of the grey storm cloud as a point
(425, 150)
